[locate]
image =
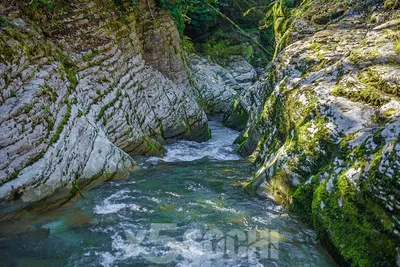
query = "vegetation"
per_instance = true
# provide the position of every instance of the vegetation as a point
(48, 4)
(369, 96)
(262, 25)
(4, 22)
(397, 47)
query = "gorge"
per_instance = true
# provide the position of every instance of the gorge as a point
(104, 128)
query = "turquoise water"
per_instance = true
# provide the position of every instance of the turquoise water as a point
(195, 191)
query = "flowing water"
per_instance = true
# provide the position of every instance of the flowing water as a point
(187, 209)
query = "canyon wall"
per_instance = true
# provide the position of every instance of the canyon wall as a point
(84, 85)
(324, 128)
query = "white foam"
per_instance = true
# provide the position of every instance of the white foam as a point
(219, 147)
(108, 206)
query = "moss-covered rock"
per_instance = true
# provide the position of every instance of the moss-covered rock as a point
(324, 129)
(80, 91)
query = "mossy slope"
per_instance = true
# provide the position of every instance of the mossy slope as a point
(324, 128)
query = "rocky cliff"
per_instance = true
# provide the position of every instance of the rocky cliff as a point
(324, 127)
(216, 86)
(84, 85)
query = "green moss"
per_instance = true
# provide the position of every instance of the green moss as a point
(103, 80)
(209, 133)
(281, 188)
(88, 57)
(389, 112)
(355, 56)
(61, 126)
(368, 96)
(242, 144)
(374, 53)
(189, 128)
(349, 228)
(389, 4)
(152, 146)
(5, 22)
(397, 46)
(238, 118)
(302, 200)
(75, 188)
(35, 158)
(12, 176)
(374, 81)
(188, 45)
(48, 4)
(49, 92)
(351, 221)
(108, 105)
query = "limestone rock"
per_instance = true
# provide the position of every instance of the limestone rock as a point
(324, 128)
(218, 86)
(82, 92)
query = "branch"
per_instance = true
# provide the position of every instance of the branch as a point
(254, 41)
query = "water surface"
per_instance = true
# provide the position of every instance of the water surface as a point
(196, 190)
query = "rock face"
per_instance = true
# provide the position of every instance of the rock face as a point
(217, 86)
(81, 91)
(324, 126)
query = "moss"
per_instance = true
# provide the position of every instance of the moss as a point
(5, 22)
(238, 118)
(75, 189)
(49, 92)
(355, 57)
(281, 188)
(397, 46)
(187, 123)
(368, 96)
(323, 18)
(108, 105)
(12, 176)
(389, 4)
(80, 113)
(302, 200)
(103, 80)
(373, 80)
(89, 56)
(374, 53)
(152, 146)
(60, 127)
(35, 158)
(350, 221)
(348, 228)
(242, 144)
(390, 112)
(209, 133)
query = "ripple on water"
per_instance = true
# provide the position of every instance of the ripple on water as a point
(199, 197)
(219, 147)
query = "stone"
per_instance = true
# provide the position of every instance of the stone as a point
(328, 108)
(82, 99)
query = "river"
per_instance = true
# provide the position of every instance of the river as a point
(186, 209)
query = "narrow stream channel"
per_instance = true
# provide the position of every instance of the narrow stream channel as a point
(187, 209)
